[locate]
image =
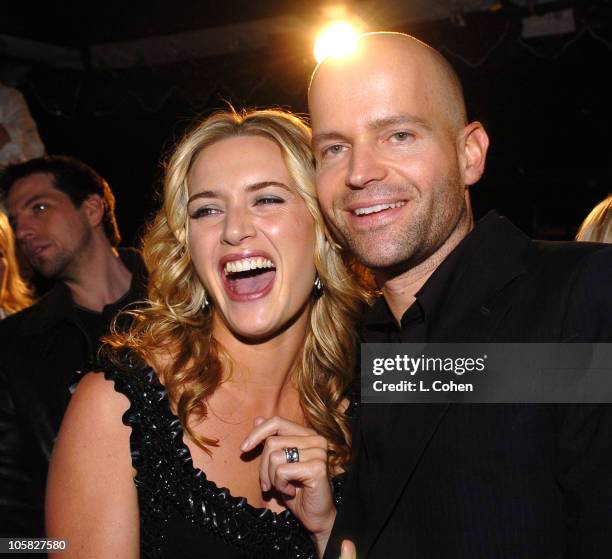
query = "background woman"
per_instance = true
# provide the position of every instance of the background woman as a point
(597, 226)
(15, 293)
(250, 322)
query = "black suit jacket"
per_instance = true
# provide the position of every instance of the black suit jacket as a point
(493, 480)
(42, 351)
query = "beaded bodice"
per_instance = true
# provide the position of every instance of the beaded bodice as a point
(169, 486)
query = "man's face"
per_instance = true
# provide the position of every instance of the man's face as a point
(49, 229)
(388, 174)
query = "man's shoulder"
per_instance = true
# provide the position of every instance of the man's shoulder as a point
(571, 250)
(499, 253)
(571, 281)
(500, 239)
(570, 259)
(37, 317)
(13, 322)
(11, 329)
(542, 290)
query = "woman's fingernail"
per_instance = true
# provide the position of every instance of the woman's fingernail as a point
(245, 445)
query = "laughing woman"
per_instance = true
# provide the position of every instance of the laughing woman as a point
(250, 322)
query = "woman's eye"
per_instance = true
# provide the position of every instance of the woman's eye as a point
(204, 212)
(265, 200)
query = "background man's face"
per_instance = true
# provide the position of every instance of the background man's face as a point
(388, 174)
(49, 229)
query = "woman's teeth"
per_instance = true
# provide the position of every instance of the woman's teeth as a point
(247, 264)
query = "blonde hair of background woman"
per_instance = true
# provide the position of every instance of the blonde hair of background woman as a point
(177, 320)
(15, 293)
(597, 226)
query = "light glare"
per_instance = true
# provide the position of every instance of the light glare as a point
(336, 41)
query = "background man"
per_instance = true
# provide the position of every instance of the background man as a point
(62, 213)
(395, 158)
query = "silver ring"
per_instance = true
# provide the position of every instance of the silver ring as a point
(292, 454)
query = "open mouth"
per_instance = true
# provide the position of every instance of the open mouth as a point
(248, 278)
(377, 208)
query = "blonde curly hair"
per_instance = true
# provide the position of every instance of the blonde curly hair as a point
(173, 322)
(15, 293)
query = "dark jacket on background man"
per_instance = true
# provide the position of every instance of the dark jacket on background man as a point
(466, 481)
(43, 351)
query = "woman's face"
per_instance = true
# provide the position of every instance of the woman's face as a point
(251, 237)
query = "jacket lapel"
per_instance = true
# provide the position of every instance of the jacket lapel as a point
(394, 437)
(481, 293)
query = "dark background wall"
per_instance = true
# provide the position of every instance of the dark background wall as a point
(546, 102)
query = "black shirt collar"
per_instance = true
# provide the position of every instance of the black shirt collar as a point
(429, 296)
(57, 305)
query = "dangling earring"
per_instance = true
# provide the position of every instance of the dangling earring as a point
(206, 303)
(318, 285)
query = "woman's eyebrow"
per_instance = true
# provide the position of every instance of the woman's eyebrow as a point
(249, 188)
(259, 185)
(203, 194)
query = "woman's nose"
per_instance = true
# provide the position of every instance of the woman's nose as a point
(238, 226)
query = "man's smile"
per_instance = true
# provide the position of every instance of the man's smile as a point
(376, 208)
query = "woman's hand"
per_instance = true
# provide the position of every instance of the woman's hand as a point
(304, 485)
(348, 551)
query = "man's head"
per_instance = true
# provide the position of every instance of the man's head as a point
(394, 151)
(56, 206)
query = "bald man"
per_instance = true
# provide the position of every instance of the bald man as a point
(395, 157)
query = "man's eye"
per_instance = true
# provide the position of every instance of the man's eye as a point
(39, 207)
(333, 150)
(402, 136)
(204, 212)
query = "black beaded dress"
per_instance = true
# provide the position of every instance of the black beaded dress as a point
(182, 513)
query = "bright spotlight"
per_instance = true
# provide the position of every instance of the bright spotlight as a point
(336, 41)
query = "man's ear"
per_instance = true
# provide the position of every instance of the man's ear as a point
(473, 146)
(94, 209)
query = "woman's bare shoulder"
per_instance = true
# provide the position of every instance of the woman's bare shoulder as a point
(94, 418)
(91, 455)
(96, 396)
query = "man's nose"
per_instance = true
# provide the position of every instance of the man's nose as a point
(23, 229)
(365, 166)
(238, 226)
